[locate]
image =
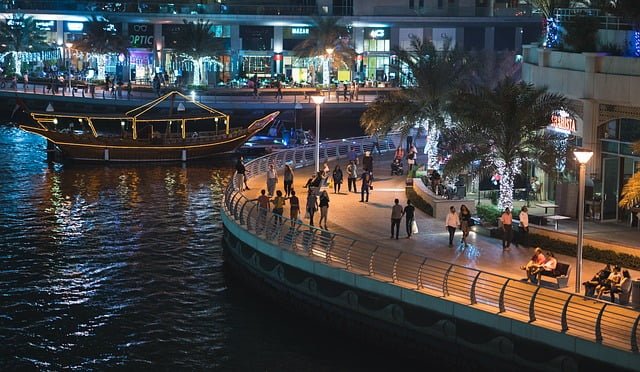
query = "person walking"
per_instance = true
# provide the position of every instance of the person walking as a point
(324, 208)
(409, 214)
(278, 90)
(294, 205)
(396, 216)
(365, 186)
(288, 180)
(326, 172)
(337, 179)
(367, 161)
(507, 219)
(263, 209)
(524, 226)
(272, 179)
(452, 222)
(312, 204)
(352, 175)
(352, 155)
(241, 179)
(465, 223)
(278, 206)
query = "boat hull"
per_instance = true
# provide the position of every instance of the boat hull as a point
(87, 148)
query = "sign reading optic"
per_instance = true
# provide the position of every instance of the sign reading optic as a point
(299, 31)
(563, 122)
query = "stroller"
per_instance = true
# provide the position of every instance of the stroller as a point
(396, 167)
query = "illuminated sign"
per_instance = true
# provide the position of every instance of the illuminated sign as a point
(299, 31)
(141, 35)
(563, 122)
(46, 25)
(74, 26)
(377, 33)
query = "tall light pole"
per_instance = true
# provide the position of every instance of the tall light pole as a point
(318, 101)
(69, 46)
(583, 157)
(326, 73)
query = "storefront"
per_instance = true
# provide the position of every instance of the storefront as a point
(141, 52)
(376, 57)
(257, 45)
(294, 68)
(619, 163)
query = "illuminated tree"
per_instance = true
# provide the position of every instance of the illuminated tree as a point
(327, 37)
(434, 75)
(197, 42)
(19, 34)
(504, 127)
(631, 190)
(101, 38)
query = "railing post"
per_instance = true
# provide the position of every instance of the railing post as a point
(394, 273)
(598, 329)
(501, 298)
(373, 254)
(327, 252)
(634, 335)
(472, 292)
(445, 288)
(532, 310)
(419, 276)
(349, 255)
(253, 207)
(564, 322)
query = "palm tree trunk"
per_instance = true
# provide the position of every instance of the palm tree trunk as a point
(431, 147)
(507, 174)
(18, 63)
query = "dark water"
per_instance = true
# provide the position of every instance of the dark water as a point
(120, 267)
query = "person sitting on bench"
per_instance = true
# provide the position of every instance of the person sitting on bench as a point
(533, 266)
(549, 265)
(623, 287)
(597, 279)
(614, 278)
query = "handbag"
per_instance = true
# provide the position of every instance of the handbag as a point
(414, 227)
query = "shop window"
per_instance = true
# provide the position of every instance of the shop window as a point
(629, 130)
(609, 130)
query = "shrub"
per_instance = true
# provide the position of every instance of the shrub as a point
(488, 213)
(418, 202)
(581, 33)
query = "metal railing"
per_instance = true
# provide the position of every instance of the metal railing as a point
(605, 323)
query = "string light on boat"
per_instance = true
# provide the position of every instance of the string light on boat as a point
(193, 95)
(55, 121)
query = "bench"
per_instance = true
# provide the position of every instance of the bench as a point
(560, 274)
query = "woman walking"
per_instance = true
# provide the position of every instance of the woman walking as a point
(337, 179)
(278, 206)
(507, 232)
(465, 223)
(272, 180)
(294, 204)
(312, 205)
(365, 186)
(324, 208)
(288, 180)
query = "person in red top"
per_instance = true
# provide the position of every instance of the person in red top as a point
(534, 265)
(263, 208)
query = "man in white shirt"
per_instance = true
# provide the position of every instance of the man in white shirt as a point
(524, 226)
(452, 222)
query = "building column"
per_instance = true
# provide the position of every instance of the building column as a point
(518, 40)
(590, 121)
(158, 46)
(489, 38)
(236, 47)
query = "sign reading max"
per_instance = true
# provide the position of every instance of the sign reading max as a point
(140, 35)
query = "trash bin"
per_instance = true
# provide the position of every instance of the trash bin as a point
(635, 293)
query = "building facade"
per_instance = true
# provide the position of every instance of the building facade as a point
(259, 37)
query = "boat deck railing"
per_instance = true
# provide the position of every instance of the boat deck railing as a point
(601, 322)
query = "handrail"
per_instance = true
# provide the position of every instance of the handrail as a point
(608, 324)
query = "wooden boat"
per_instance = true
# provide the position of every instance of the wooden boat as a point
(172, 127)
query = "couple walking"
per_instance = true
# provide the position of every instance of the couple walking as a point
(397, 212)
(453, 220)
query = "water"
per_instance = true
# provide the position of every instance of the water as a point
(120, 267)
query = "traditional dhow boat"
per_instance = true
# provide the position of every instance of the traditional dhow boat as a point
(172, 127)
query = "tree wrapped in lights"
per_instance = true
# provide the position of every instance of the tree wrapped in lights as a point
(19, 34)
(99, 40)
(197, 43)
(503, 127)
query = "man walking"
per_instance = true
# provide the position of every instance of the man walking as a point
(524, 226)
(507, 232)
(452, 222)
(409, 213)
(352, 175)
(396, 216)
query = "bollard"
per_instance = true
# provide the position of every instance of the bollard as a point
(34, 89)
(83, 93)
(103, 94)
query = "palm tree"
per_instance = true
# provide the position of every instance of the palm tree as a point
(631, 190)
(19, 34)
(548, 8)
(504, 127)
(198, 44)
(433, 75)
(101, 38)
(327, 37)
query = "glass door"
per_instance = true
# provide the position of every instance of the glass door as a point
(610, 186)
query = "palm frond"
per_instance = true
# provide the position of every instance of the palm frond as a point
(631, 192)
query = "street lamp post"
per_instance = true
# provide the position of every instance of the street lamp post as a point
(583, 157)
(69, 46)
(318, 101)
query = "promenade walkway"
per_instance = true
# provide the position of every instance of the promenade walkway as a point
(371, 222)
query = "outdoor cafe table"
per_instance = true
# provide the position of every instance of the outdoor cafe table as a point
(556, 218)
(546, 206)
